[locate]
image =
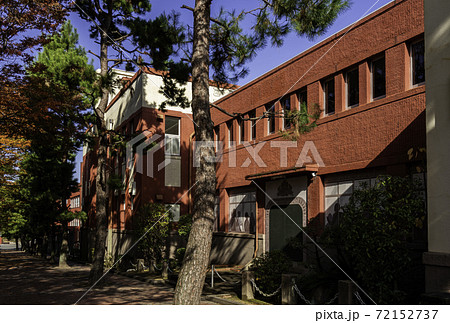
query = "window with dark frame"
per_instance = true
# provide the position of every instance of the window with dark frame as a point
(302, 99)
(378, 78)
(252, 115)
(286, 105)
(352, 79)
(418, 62)
(330, 96)
(172, 135)
(270, 109)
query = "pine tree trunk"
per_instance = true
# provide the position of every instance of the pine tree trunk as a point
(193, 271)
(101, 186)
(64, 248)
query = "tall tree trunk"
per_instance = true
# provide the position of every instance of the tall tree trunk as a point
(52, 245)
(101, 185)
(192, 275)
(64, 247)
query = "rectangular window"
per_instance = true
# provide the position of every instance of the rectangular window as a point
(270, 109)
(378, 78)
(242, 212)
(172, 136)
(216, 213)
(352, 84)
(252, 115)
(286, 105)
(230, 133)
(337, 195)
(418, 63)
(172, 171)
(302, 99)
(241, 131)
(328, 89)
(217, 137)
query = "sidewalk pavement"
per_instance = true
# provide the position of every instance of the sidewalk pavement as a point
(27, 280)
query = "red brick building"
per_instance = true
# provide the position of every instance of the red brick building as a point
(368, 82)
(134, 113)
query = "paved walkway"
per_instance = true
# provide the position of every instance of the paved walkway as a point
(25, 279)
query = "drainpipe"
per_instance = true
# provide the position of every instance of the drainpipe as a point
(256, 235)
(191, 137)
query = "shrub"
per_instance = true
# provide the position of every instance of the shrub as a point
(154, 218)
(374, 229)
(268, 269)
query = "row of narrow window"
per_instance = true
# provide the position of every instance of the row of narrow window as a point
(378, 90)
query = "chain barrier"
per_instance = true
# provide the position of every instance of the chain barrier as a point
(358, 297)
(262, 293)
(295, 287)
(161, 268)
(219, 275)
(333, 299)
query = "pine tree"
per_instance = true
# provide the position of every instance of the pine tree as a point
(59, 82)
(107, 19)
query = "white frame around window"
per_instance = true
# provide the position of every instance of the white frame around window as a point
(271, 108)
(346, 88)
(252, 114)
(241, 131)
(411, 63)
(169, 148)
(371, 78)
(245, 201)
(325, 88)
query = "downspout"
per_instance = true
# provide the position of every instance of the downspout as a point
(191, 137)
(256, 235)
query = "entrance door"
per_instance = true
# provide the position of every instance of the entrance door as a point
(281, 228)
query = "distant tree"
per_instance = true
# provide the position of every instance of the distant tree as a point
(62, 81)
(24, 28)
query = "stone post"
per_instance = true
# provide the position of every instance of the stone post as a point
(346, 290)
(151, 266)
(140, 265)
(165, 270)
(288, 296)
(247, 288)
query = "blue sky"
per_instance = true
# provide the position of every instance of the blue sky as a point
(267, 58)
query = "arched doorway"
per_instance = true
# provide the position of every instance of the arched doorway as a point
(280, 226)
